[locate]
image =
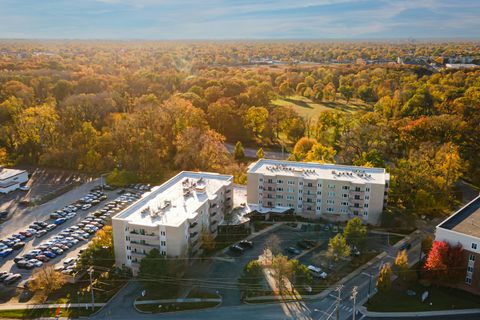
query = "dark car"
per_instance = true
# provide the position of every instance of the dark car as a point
(49, 254)
(292, 250)
(42, 257)
(302, 244)
(236, 249)
(12, 278)
(5, 252)
(54, 216)
(3, 214)
(5, 275)
(246, 244)
(405, 246)
(311, 243)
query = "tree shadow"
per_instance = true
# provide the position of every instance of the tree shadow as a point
(299, 103)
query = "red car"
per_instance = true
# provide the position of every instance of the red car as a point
(26, 234)
(42, 257)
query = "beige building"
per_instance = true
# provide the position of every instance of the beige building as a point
(172, 217)
(313, 190)
(463, 227)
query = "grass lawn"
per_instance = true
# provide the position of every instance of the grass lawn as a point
(442, 298)
(309, 109)
(38, 313)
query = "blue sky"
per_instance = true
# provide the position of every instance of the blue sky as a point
(247, 19)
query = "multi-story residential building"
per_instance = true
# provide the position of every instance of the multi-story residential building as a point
(463, 227)
(11, 179)
(313, 190)
(172, 217)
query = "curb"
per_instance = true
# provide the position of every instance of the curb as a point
(106, 303)
(172, 312)
(374, 314)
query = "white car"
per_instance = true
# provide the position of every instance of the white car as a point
(317, 272)
(24, 188)
(69, 261)
(36, 263)
(87, 206)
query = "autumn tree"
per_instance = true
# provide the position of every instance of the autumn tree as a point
(321, 153)
(282, 271)
(273, 244)
(401, 265)
(384, 281)
(207, 240)
(238, 152)
(445, 263)
(338, 248)
(255, 120)
(260, 154)
(46, 280)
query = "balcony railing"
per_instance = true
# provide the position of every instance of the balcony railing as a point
(193, 225)
(142, 243)
(193, 234)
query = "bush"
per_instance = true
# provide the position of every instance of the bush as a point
(121, 178)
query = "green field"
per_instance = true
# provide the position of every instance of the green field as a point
(35, 313)
(309, 109)
(441, 298)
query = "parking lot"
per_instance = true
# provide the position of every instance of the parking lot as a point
(61, 233)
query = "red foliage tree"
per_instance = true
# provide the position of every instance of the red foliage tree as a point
(444, 263)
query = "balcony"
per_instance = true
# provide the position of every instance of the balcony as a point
(193, 234)
(193, 225)
(213, 214)
(140, 243)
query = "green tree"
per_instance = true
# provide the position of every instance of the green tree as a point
(251, 280)
(370, 159)
(302, 147)
(384, 281)
(100, 251)
(426, 244)
(338, 248)
(346, 92)
(260, 154)
(355, 232)
(238, 152)
(255, 120)
(46, 280)
(154, 269)
(283, 271)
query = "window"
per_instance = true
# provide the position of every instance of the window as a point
(129, 248)
(330, 201)
(163, 233)
(129, 257)
(310, 184)
(163, 243)
(471, 257)
(343, 210)
(290, 205)
(470, 269)
(367, 189)
(300, 199)
(344, 195)
(344, 203)
(279, 204)
(319, 185)
(290, 190)
(468, 280)
(260, 180)
(357, 197)
(300, 183)
(329, 209)
(127, 238)
(367, 197)
(319, 200)
(319, 193)
(291, 182)
(260, 187)
(270, 180)
(280, 189)
(299, 206)
(357, 189)
(356, 205)
(319, 208)
(163, 253)
(279, 181)
(331, 186)
(300, 191)
(474, 246)
(365, 205)
(331, 194)
(290, 197)
(279, 196)
(345, 187)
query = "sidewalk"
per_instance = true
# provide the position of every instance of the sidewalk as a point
(21, 306)
(179, 300)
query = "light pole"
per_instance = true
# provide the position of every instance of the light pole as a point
(90, 271)
(354, 298)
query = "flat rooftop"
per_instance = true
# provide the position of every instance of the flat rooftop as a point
(313, 170)
(176, 200)
(466, 220)
(6, 173)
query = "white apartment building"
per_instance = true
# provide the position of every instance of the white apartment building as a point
(11, 179)
(463, 227)
(313, 190)
(171, 217)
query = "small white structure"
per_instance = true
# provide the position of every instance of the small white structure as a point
(11, 179)
(461, 65)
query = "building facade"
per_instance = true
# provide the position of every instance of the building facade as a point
(11, 179)
(172, 218)
(313, 190)
(463, 227)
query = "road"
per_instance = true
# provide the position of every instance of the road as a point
(252, 152)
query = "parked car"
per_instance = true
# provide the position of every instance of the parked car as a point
(86, 207)
(5, 275)
(12, 278)
(5, 252)
(49, 254)
(18, 245)
(292, 250)
(69, 261)
(302, 244)
(317, 272)
(59, 221)
(18, 236)
(24, 264)
(54, 216)
(405, 246)
(40, 233)
(36, 263)
(24, 188)
(50, 227)
(354, 252)
(42, 257)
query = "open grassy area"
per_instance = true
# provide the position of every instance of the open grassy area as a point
(309, 109)
(441, 298)
(38, 313)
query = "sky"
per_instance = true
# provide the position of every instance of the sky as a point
(239, 19)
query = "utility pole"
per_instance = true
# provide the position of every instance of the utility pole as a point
(339, 300)
(90, 271)
(354, 298)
